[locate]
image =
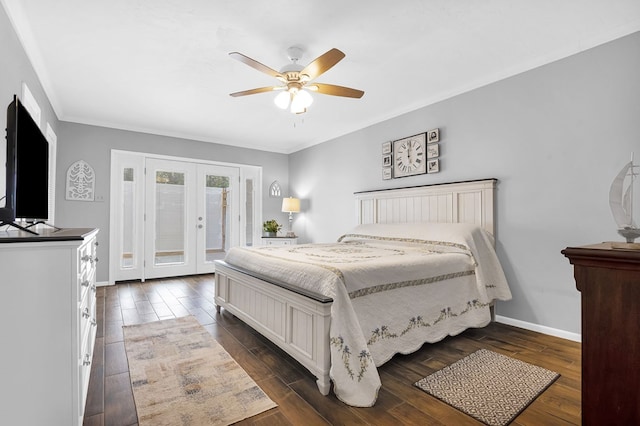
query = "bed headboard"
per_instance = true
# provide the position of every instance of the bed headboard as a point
(458, 202)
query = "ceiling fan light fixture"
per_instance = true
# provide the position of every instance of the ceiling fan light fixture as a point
(282, 99)
(295, 77)
(304, 97)
(301, 101)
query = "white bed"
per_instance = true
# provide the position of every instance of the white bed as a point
(344, 309)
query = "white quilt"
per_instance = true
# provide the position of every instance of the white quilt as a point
(394, 287)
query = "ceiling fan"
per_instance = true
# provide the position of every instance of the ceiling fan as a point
(297, 80)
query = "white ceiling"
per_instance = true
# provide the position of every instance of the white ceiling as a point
(162, 66)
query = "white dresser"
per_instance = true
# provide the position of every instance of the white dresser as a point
(48, 323)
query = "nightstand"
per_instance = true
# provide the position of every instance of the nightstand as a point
(279, 241)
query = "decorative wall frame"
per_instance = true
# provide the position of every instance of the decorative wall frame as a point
(433, 135)
(410, 156)
(274, 190)
(433, 166)
(387, 160)
(433, 150)
(81, 181)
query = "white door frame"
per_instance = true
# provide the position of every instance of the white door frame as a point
(121, 159)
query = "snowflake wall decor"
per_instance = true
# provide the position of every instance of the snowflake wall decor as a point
(81, 181)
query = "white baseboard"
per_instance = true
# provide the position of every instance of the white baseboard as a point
(540, 328)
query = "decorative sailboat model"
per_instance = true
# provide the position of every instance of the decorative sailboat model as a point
(621, 202)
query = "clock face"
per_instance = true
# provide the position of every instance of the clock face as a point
(409, 156)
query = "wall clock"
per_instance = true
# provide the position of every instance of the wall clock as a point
(409, 156)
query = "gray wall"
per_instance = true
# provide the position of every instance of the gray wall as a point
(555, 137)
(93, 144)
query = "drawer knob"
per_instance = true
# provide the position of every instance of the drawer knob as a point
(85, 283)
(87, 359)
(85, 258)
(93, 322)
(85, 313)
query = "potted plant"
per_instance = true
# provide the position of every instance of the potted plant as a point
(271, 228)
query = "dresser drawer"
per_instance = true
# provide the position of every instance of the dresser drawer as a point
(85, 257)
(279, 241)
(86, 283)
(86, 318)
(87, 260)
(84, 369)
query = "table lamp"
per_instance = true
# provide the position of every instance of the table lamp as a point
(291, 205)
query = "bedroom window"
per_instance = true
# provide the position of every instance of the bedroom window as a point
(127, 259)
(169, 212)
(249, 209)
(217, 213)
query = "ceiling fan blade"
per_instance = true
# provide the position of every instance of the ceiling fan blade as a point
(254, 91)
(322, 63)
(255, 64)
(331, 89)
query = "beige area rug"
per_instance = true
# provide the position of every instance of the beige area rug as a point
(181, 376)
(488, 386)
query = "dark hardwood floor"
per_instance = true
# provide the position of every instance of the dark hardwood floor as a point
(110, 398)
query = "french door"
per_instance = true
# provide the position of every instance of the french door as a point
(173, 216)
(189, 222)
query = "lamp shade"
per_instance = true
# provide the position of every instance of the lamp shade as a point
(300, 101)
(291, 205)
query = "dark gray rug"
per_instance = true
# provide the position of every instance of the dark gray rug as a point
(488, 386)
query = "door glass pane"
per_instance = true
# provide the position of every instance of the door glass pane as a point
(128, 258)
(217, 217)
(170, 211)
(249, 213)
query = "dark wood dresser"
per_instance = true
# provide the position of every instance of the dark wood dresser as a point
(609, 281)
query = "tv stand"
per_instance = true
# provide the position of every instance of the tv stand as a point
(37, 222)
(22, 228)
(26, 228)
(54, 276)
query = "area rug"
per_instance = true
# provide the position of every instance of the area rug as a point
(488, 386)
(181, 376)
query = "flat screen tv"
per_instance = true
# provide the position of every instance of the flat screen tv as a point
(27, 168)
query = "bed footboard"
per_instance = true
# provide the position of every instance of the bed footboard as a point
(297, 323)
